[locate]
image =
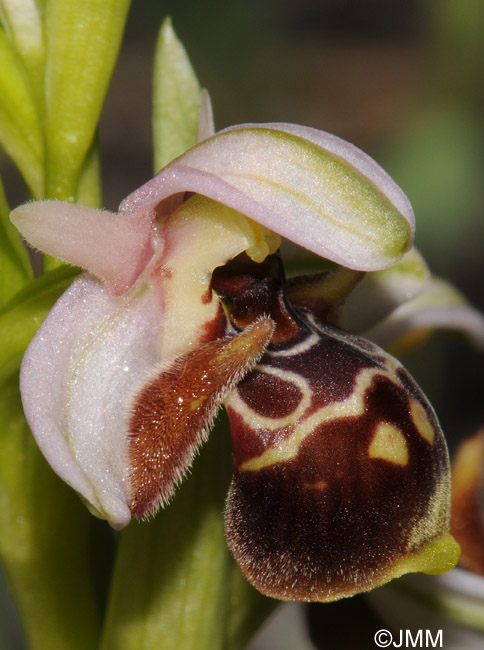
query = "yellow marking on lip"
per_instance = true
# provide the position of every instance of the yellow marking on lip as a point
(389, 444)
(354, 405)
(437, 556)
(434, 557)
(421, 421)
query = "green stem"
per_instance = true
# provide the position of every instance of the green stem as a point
(170, 583)
(43, 541)
(175, 583)
(248, 609)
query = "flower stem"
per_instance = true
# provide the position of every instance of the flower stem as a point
(174, 584)
(43, 541)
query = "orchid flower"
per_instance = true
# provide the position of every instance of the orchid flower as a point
(341, 472)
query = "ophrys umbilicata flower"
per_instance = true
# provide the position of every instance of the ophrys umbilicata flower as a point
(341, 477)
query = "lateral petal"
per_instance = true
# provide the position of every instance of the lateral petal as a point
(173, 413)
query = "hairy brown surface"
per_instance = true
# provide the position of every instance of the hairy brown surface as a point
(172, 413)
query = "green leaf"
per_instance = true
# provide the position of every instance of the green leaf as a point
(44, 528)
(83, 40)
(23, 314)
(44, 532)
(22, 20)
(89, 192)
(15, 269)
(176, 99)
(20, 130)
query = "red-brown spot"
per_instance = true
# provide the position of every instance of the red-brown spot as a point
(270, 396)
(163, 271)
(207, 296)
(214, 329)
(318, 485)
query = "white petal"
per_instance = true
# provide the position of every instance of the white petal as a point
(307, 185)
(378, 294)
(115, 248)
(438, 306)
(78, 374)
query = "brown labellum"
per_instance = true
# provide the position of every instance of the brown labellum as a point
(173, 412)
(341, 472)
